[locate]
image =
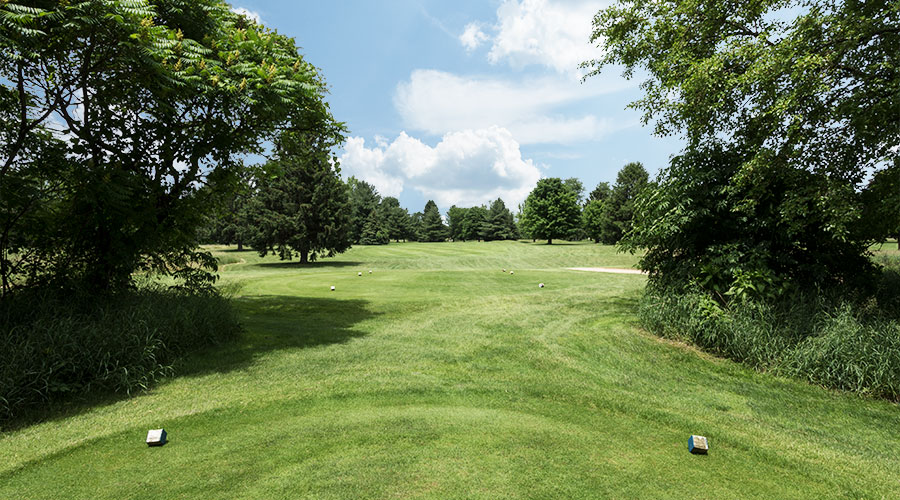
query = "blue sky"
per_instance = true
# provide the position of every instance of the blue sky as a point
(465, 101)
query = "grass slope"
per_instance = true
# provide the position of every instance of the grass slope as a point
(438, 376)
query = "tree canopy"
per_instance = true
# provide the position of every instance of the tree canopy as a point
(786, 107)
(302, 207)
(148, 101)
(551, 210)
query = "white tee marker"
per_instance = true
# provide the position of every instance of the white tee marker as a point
(359, 273)
(332, 288)
(156, 437)
(541, 285)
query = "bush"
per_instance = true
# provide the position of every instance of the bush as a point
(54, 345)
(848, 346)
(848, 354)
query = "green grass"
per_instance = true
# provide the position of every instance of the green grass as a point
(438, 376)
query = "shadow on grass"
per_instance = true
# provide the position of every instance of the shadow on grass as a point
(309, 265)
(556, 243)
(271, 323)
(278, 322)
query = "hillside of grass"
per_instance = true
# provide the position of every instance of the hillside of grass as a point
(439, 376)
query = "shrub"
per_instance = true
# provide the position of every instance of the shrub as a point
(54, 345)
(848, 354)
(838, 344)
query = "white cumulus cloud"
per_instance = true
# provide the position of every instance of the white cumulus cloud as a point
(465, 168)
(248, 14)
(438, 102)
(472, 36)
(549, 33)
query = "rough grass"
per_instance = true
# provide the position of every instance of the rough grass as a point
(56, 346)
(837, 346)
(438, 376)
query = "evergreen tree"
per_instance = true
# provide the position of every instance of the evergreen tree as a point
(592, 220)
(500, 222)
(618, 210)
(227, 222)
(394, 219)
(416, 226)
(363, 199)
(302, 206)
(456, 217)
(600, 193)
(373, 232)
(476, 224)
(576, 187)
(551, 210)
(433, 228)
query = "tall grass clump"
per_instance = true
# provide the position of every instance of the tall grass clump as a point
(55, 345)
(823, 338)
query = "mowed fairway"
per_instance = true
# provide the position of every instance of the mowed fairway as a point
(439, 376)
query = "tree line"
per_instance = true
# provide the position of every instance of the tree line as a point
(296, 204)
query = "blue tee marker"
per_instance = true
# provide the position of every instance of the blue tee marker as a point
(698, 445)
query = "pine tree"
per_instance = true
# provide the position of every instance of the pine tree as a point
(618, 209)
(500, 222)
(363, 199)
(477, 225)
(373, 232)
(394, 219)
(455, 218)
(301, 206)
(600, 193)
(433, 228)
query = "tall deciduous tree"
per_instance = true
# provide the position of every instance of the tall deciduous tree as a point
(785, 107)
(551, 210)
(303, 208)
(156, 98)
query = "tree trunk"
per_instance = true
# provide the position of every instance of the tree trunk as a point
(240, 243)
(549, 241)
(304, 257)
